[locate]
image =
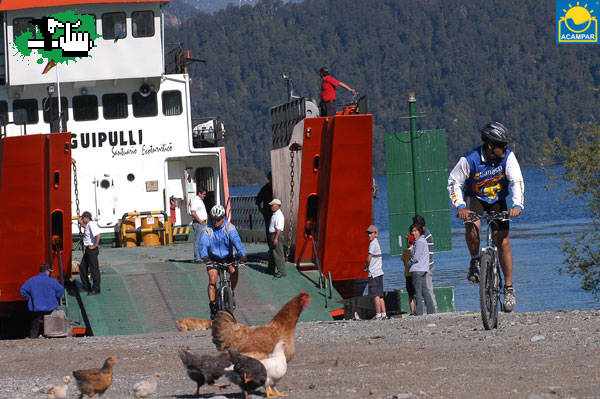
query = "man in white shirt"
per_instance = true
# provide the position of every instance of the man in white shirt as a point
(89, 262)
(198, 211)
(276, 255)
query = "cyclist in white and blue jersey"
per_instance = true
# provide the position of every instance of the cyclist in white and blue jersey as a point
(486, 173)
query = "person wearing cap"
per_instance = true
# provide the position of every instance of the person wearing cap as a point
(42, 293)
(410, 289)
(327, 105)
(89, 262)
(374, 267)
(276, 256)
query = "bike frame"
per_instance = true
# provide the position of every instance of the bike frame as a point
(224, 291)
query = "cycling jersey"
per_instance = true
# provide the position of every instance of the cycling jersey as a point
(486, 180)
(217, 243)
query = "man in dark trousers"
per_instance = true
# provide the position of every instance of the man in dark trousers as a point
(89, 262)
(264, 196)
(42, 293)
(327, 106)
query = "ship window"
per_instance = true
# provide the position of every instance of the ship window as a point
(25, 112)
(51, 109)
(171, 103)
(114, 106)
(144, 106)
(114, 25)
(21, 25)
(142, 23)
(3, 113)
(85, 108)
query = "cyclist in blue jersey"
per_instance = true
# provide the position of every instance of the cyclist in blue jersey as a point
(485, 174)
(217, 241)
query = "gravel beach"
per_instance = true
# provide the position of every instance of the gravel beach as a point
(531, 355)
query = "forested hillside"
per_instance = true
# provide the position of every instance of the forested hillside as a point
(467, 61)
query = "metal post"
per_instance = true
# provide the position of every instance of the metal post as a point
(412, 116)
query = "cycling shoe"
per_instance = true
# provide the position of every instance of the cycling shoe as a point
(474, 270)
(510, 299)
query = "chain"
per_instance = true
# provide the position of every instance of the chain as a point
(289, 239)
(77, 204)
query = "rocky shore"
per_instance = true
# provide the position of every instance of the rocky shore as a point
(531, 355)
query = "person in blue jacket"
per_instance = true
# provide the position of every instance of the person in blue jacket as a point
(216, 244)
(42, 293)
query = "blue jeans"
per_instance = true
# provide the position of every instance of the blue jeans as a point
(197, 231)
(419, 280)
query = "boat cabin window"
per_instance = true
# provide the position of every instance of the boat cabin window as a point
(171, 103)
(50, 108)
(85, 108)
(114, 106)
(25, 112)
(3, 113)
(21, 25)
(114, 25)
(142, 23)
(144, 106)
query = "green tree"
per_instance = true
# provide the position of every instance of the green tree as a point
(582, 174)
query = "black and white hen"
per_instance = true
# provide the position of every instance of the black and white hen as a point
(248, 373)
(203, 368)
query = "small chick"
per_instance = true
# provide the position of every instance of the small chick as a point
(59, 391)
(276, 367)
(146, 387)
(203, 368)
(248, 373)
(93, 381)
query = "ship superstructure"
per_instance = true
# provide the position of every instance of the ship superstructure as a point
(126, 105)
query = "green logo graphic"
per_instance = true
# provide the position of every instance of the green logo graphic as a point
(58, 38)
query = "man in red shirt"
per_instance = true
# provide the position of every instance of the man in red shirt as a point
(327, 105)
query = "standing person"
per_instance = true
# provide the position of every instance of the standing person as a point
(375, 268)
(216, 244)
(327, 106)
(410, 288)
(486, 173)
(420, 220)
(89, 262)
(419, 267)
(276, 255)
(198, 211)
(42, 293)
(264, 196)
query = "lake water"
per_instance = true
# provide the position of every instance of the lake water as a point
(535, 237)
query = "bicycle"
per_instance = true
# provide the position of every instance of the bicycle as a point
(490, 274)
(225, 299)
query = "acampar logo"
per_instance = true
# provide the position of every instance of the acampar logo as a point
(575, 22)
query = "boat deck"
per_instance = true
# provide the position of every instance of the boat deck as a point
(145, 289)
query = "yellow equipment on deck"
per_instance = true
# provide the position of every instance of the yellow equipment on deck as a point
(155, 229)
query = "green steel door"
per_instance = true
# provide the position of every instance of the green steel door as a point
(422, 191)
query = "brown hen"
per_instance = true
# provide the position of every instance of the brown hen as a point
(259, 342)
(95, 381)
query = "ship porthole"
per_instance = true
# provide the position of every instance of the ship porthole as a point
(104, 184)
(131, 177)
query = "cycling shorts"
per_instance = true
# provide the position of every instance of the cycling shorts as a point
(478, 206)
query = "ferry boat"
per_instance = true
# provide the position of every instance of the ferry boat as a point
(121, 140)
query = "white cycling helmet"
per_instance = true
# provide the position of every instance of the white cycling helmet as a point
(217, 211)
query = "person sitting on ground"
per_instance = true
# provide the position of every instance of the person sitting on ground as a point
(419, 267)
(375, 268)
(216, 244)
(42, 293)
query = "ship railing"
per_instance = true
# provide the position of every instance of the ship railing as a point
(245, 215)
(324, 282)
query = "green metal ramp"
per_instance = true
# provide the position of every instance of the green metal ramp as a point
(145, 290)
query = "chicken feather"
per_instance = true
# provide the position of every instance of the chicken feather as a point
(259, 342)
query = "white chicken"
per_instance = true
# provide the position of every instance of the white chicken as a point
(59, 391)
(146, 387)
(276, 366)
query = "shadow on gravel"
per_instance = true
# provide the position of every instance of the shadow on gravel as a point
(208, 395)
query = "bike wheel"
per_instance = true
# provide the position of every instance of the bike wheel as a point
(228, 302)
(488, 289)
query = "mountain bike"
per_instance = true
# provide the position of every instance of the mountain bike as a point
(225, 299)
(490, 273)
